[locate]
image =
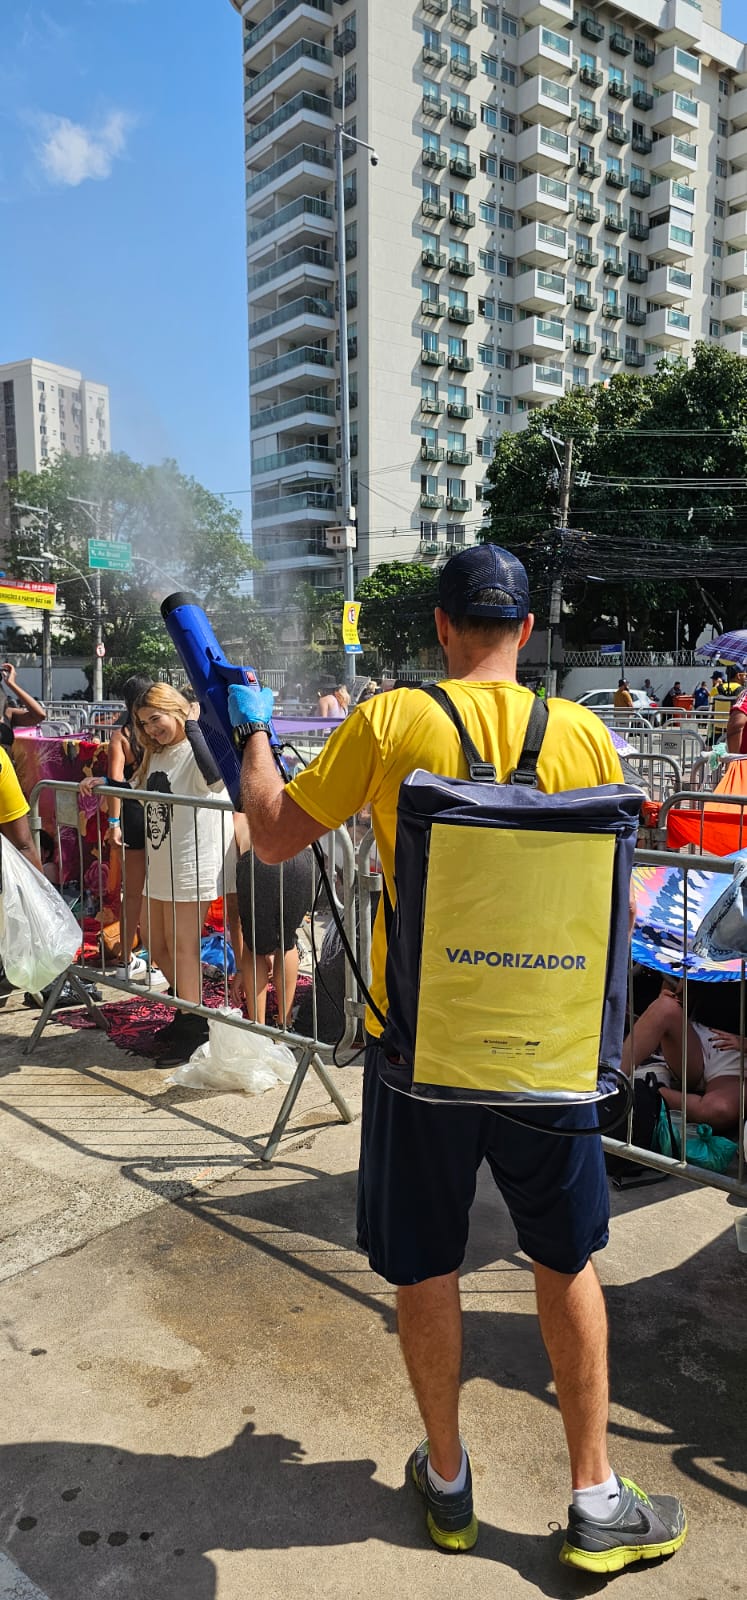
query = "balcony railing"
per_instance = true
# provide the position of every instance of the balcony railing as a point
(461, 117)
(612, 310)
(433, 208)
(459, 458)
(461, 219)
(304, 49)
(304, 355)
(589, 124)
(286, 504)
(434, 158)
(303, 152)
(615, 179)
(589, 169)
(256, 35)
(304, 101)
(431, 452)
(433, 105)
(585, 347)
(346, 40)
(634, 358)
(643, 53)
(637, 274)
(431, 358)
(547, 374)
(307, 305)
(307, 205)
(432, 502)
(461, 314)
(614, 266)
(463, 69)
(642, 144)
(294, 457)
(683, 192)
(433, 258)
(458, 502)
(462, 269)
(635, 318)
(591, 29)
(621, 43)
(642, 99)
(587, 258)
(612, 352)
(438, 8)
(457, 408)
(615, 221)
(591, 76)
(640, 187)
(683, 148)
(463, 16)
(619, 89)
(293, 408)
(308, 255)
(617, 135)
(586, 213)
(431, 407)
(435, 55)
(584, 302)
(461, 363)
(433, 308)
(461, 167)
(679, 279)
(639, 230)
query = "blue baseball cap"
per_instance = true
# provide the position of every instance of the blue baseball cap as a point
(483, 566)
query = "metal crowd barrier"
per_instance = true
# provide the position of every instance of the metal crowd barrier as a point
(698, 801)
(309, 1049)
(659, 775)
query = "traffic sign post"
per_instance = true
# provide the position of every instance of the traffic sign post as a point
(106, 555)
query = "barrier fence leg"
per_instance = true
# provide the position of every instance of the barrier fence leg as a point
(307, 1059)
(78, 988)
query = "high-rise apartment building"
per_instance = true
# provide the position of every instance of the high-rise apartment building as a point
(46, 410)
(561, 194)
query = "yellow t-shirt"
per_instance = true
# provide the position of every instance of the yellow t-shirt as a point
(387, 738)
(12, 801)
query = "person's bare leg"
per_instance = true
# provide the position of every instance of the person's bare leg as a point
(133, 900)
(430, 1332)
(660, 1029)
(256, 970)
(159, 938)
(285, 978)
(573, 1322)
(189, 919)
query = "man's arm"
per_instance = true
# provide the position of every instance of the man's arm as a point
(734, 730)
(30, 712)
(279, 827)
(19, 834)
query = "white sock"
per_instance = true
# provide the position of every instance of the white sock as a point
(447, 1485)
(600, 1501)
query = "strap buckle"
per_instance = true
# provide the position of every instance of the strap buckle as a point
(482, 772)
(527, 779)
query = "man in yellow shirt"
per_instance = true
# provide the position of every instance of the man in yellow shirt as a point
(622, 697)
(419, 1162)
(14, 811)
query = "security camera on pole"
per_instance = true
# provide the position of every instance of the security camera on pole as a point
(344, 536)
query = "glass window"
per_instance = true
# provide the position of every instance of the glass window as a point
(429, 436)
(490, 16)
(490, 66)
(580, 377)
(459, 51)
(586, 59)
(509, 25)
(455, 441)
(489, 116)
(723, 85)
(486, 306)
(430, 339)
(504, 313)
(431, 191)
(457, 346)
(428, 389)
(718, 249)
(508, 171)
(714, 329)
(485, 355)
(503, 359)
(431, 141)
(457, 394)
(616, 75)
(505, 218)
(508, 122)
(488, 164)
(505, 267)
(484, 400)
(508, 74)
(722, 127)
(487, 211)
(721, 168)
(486, 259)
(719, 209)
(585, 106)
(431, 39)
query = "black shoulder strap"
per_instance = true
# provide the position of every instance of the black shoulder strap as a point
(525, 771)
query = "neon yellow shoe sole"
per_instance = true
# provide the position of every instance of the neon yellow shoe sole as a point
(622, 1556)
(450, 1519)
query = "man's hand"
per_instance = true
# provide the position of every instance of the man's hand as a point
(9, 674)
(88, 785)
(248, 704)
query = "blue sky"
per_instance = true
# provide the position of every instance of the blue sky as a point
(122, 234)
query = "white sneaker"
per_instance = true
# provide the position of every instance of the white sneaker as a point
(137, 972)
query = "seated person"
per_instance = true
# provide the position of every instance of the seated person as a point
(712, 1062)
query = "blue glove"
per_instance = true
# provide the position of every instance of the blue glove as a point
(246, 704)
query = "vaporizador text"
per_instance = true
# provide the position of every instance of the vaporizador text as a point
(525, 960)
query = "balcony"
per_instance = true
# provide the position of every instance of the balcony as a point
(538, 381)
(640, 187)
(612, 310)
(612, 352)
(310, 456)
(461, 117)
(305, 56)
(637, 274)
(674, 158)
(306, 212)
(615, 179)
(618, 89)
(305, 506)
(592, 29)
(736, 342)
(615, 221)
(543, 197)
(541, 149)
(639, 230)
(589, 169)
(312, 109)
(736, 148)
(433, 208)
(733, 308)
(669, 243)
(461, 314)
(435, 259)
(589, 124)
(346, 40)
(431, 547)
(434, 55)
(539, 336)
(461, 219)
(736, 189)
(463, 17)
(675, 113)
(432, 502)
(458, 502)
(463, 68)
(586, 258)
(585, 302)
(305, 409)
(584, 347)
(460, 268)
(642, 144)
(734, 270)
(614, 266)
(668, 328)
(644, 54)
(634, 358)
(300, 365)
(620, 42)
(586, 212)
(635, 317)
(642, 100)
(738, 109)
(437, 8)
(617, 135)
(310, 311)
(431, 358)
(433, 308)
(593, 77)
(434, 158)
(431, 452)
(683, 23)
(459, 458)
(550, 12)
(676, 69)
(539, 244)
(460, 167)
(294, 169)
(460, 363)
(542, 100)
(458, 408)
(310, 263)
(431, 407)
(543, 50)
(540, 291)
(670, 285)
(309, 12)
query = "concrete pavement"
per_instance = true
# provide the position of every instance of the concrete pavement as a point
(203, 1397)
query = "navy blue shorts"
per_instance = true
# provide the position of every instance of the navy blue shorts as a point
(418, 1174)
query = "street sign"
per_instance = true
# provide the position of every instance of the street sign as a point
(350, 612)
(39, 596)
(101, 649)
(109, 555)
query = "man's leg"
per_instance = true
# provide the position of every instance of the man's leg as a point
(573, 1322)
(430, 1332)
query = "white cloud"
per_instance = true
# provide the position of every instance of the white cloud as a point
(69, 152)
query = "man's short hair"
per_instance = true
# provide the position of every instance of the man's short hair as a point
(492, 627)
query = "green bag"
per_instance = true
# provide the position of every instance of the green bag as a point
(704, 1148)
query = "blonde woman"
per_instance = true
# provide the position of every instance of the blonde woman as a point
(185, 849)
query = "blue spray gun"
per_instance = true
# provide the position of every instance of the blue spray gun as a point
(211, 675)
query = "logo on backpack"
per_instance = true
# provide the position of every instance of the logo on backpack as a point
(524, 960)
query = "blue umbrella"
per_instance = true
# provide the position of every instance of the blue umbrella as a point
(730, 647)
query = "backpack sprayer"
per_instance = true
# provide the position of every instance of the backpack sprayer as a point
(417, 1040)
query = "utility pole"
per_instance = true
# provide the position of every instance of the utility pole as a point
(556, 586)
(348, 510)
(92, 509)
(43, 512)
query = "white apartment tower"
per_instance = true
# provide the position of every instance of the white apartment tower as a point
(45, 411)
(561, 194)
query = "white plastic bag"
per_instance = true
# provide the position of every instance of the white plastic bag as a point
(235, 1059)
(39, 935)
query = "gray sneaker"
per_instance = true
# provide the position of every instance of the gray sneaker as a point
(450, 1518)
(643, 1529)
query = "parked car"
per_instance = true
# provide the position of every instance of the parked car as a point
(601, 701)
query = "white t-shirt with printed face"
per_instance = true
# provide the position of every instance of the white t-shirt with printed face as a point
(185, 846)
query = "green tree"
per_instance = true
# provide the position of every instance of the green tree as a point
(397, 602)
(182, 537)
(662, 521)
(319, 612)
